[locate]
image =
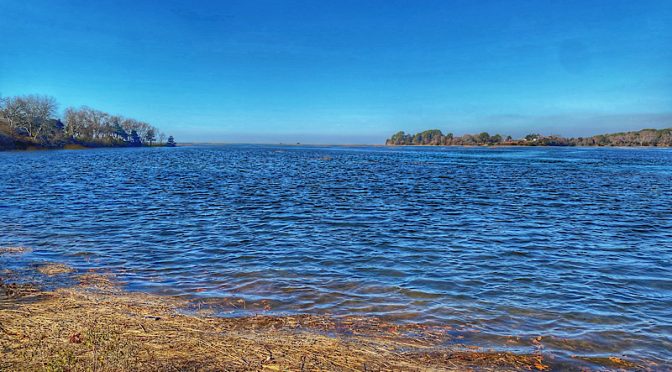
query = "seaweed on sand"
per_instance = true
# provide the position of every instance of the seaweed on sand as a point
(97, 326)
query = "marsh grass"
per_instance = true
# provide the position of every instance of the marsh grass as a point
(96, 326)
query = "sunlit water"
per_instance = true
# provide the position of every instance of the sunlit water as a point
(570, 243)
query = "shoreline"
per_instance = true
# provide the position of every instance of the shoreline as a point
(197, 144)
(70, 147)
(95, 324)
(537, 146)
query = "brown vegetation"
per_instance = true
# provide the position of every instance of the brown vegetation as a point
(13, 250)
(96, 326)
(54, 269)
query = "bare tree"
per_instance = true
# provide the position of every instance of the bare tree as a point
(150, 136)
(38, 110)
(95, 126)
(32, 119)
(14, 111)
(73, 123)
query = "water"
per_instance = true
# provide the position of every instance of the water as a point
(572, 244)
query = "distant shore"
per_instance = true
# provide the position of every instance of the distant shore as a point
(535, 146)
(29, 148)
(434, 137)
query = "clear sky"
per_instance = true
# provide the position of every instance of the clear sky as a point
(347, 71)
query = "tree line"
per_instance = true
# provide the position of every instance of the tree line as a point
(33, 121)
(434, 137)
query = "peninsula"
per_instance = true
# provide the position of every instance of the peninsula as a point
(31, 122)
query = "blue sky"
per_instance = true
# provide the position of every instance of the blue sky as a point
(347, 71)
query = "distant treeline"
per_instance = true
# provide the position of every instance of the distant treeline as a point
(644, 137)
(31, 121)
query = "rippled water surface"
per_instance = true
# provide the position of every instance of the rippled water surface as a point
(572, 243)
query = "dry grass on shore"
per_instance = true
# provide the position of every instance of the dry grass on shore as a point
(95, 326)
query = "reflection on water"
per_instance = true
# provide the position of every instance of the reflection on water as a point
(511, 242)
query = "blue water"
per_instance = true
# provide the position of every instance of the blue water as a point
(571, 244)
